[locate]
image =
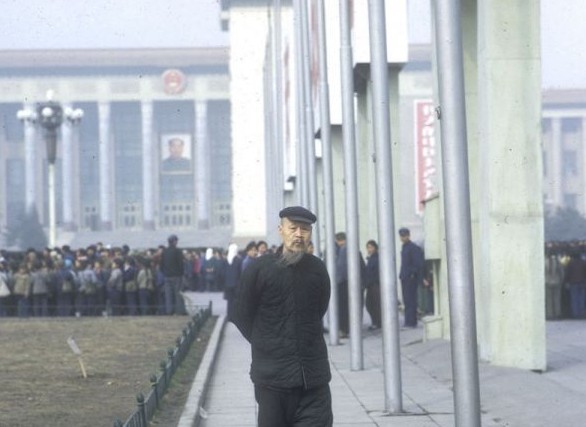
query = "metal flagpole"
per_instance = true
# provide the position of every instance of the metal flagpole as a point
(300, 110)
(309, 124)
(349, 137)
(457, 214)
(385, 210)
(277, 100)
(326, 142)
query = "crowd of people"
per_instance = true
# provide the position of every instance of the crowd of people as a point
(103, 280)
(100, 280)
(565, 280)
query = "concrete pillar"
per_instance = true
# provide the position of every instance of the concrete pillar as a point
(148, 164)
(203, 167)
(67, 176)
(365, 153)
(248, 164)
(106, 166)
(583, 168)
(469, 16)
(30, 135)
(556, 152)
(511, 209)
(396, 131)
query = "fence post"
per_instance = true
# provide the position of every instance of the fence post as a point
(163, 367)
(154, 384)
(171, 360)
(210, 307)
(141, 409)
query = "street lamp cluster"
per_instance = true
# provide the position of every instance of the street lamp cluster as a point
(49, 115)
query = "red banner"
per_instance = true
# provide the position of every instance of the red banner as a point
(425, 153)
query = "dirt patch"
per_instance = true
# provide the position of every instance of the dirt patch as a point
(43, 383)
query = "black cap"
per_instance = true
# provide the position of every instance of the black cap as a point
(298, 213)
(404, 232)
(172, 238)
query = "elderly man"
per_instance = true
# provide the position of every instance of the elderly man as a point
(280, 308)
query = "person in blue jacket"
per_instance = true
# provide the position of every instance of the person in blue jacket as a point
(411, 275)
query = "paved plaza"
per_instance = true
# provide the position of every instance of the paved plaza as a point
(509, 397)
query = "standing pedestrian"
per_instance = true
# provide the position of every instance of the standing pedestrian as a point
(372, 284)
(411, 275)
(575, 278)
(146, 285)
(250, 254)
(115, 287)
(342, 285)
(232, 278)
(282, 301)
(39, 289)
(172, 268)
(22, 290)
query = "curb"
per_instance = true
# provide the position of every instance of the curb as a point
(191, 412)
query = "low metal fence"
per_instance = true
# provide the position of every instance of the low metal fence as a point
(147, 406)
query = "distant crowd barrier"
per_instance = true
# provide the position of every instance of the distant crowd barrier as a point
(147, 406)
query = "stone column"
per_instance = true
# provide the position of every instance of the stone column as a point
(148, 173)
(30, 134)
(556, 173)
(202, 168)
(583, 168)
(511, 182)
(67, 177)
(248, 156)
(106, 166)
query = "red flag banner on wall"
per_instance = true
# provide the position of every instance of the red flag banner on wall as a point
(425, 152)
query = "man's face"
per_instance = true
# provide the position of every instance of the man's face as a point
(370, 249)
(294, 235)
(404, 238)
(176, 148)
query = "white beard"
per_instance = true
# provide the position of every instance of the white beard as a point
(291, 258)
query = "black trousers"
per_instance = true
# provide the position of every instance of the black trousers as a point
(343, 309)
(295, 407)
(409, 288)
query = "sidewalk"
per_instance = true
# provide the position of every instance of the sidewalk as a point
(509, 397)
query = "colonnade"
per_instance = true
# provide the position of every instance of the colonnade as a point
(69, 152)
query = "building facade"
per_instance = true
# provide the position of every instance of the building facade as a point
(151, 153)
(564, 149)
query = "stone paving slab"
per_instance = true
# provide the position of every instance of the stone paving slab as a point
(509, 397)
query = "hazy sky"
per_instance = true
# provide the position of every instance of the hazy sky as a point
(68, 24)
(58, 24)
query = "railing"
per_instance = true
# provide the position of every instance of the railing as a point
(147, 406)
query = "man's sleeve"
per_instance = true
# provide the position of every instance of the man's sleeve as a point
(326, 290)
(246, 300)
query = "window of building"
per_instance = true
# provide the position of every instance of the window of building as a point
(546, 126)
(89, 165)
(571, 125)
(127, 139)
(570, 163)
(15, 183)
(571, 201)
(172, 120)
(12, 127)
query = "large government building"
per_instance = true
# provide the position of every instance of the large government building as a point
(150, 152)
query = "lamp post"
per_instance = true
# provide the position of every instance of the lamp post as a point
(50, 117)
